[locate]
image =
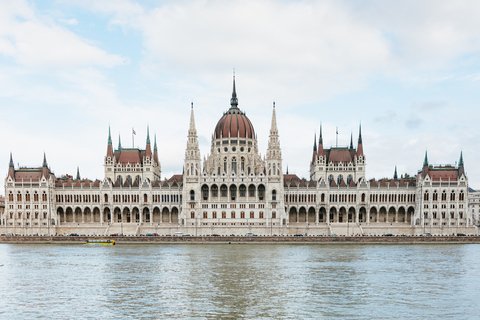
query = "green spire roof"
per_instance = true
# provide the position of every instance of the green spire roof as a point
(155, 143)
(460, 163)
(395, 176)
(109, 136)
(119, 143)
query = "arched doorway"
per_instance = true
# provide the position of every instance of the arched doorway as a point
(292, 215)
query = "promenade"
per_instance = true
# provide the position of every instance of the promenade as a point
(245, 239)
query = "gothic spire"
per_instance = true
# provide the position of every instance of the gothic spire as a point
(273, 128)
(78, 173)
(45, 165)
(460, 163)
(11, 165)
(425, 161)
(315, 142)
(360, 134)
(119, 143)
(320, 139)
(192, 129)
(148, 135)
(360, 144)
(109, 136)
(234, 100)
(155, 143)
(395, 176)
(351, 141)
(287, 169)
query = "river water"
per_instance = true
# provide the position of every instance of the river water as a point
(240, 281)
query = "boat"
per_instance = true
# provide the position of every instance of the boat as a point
(100, 242)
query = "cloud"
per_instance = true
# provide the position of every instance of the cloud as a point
(35, 42)
(71, 22)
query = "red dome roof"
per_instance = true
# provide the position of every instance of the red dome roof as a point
(234, 123)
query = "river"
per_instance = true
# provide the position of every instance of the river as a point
(239, 281)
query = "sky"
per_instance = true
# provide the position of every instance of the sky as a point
(407, 71)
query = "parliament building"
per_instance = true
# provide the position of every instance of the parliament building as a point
(235, 190)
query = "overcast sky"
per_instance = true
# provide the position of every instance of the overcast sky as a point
(408, 71)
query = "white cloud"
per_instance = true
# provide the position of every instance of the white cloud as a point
(71, 22)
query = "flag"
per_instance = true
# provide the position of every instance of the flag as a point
(133, 131)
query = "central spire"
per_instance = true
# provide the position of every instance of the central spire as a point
(234, 100)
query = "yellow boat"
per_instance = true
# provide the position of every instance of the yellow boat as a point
(100, 242)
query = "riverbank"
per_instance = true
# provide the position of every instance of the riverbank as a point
(245, 239)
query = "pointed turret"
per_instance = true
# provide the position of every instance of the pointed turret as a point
(425, 161)
(192, 152)
(155, 153)
(360, 144)
(425, 165)
(314, 156)
(148, 150)
(119, 143)
(234, 100)
(109, 147)
(11, 167)
(351, 141)
(287, 169)
(395, 176)
(45, 165)
(461, 169)
(320, 143)
(274, 152)
(78, 173)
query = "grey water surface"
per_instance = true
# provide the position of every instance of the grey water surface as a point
(240, 281)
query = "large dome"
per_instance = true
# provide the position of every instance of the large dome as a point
(234, 122)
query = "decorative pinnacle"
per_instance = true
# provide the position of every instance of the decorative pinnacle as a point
(44, 160)
(109, 136)
(155, 143)
(315, 142)
(11, 165)
(360, 133)
(119, 143)
(351, 141)
(460, 163)
(234, 100)
(425, 161)
(148, 135)
(320, 140)
(395, 176)
(78, 173)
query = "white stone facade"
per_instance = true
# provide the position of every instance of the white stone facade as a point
(235, 191)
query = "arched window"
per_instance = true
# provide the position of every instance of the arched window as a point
(274, 169)
(261, 192)
(192, 195)
(251, 190)
(106, 197)
(223, 190)
(363, 197)
(452, 196)
(205, 192)
(145, 198)
(322, 197)
(349, 178)
(225, 165)
(435, 195)
(461, 197)
(138, 179)
(242, 190)
(339, 178)
(234, 165)
(233, 192)
(330, 178)
(242, 164)
(274, 195)
(425, 196)
(214, 191)
(444, 195)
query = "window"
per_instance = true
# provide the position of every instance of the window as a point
(232, 214)
(251, 191)
(274, 215)
(205, 192)
(224, 215)
(214, 191)
(233, 192)
(261, 215)
(242, 215)
(261, 192)
(274, 195)
(242, 190)
(223, 190)
(192, 215)
(205, 215)
(252, 215)
(192, 195)
(242, 162)
(214, 215)
(234, 165)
